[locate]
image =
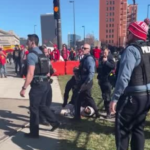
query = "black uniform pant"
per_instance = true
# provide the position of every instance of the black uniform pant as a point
(48, 103)
(84, 95)
(130, 120)
(106, 94)
(38, 97)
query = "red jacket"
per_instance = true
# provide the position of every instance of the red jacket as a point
(55, 55)
(96, 53)
(65, 54)
(3, 59)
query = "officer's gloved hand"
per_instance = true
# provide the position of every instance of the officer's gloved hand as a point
(51, 81)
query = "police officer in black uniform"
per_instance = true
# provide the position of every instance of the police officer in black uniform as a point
(132, 90)
(106, 65)
(37, 70)
(87, 71)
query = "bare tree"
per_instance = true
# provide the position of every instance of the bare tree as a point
(90, 39)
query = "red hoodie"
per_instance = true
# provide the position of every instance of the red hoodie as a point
(55, 55)
(97, 53)
(3, 59)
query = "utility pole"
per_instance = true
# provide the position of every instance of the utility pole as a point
(35, 29)
(57, 17)
(84, 33)
(148, 10)
(74, 20)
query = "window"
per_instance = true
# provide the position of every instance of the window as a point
(110, 2)
(112, 25)
(112, 41)
(113, 8)
(109, 30)
(109, 41)
(113, 2)
(106, 19)
(107, 2)
(109, 25)
(109, 36)
(107, 8)
(113, 13)
(106, 14)
(106, 36)
(110, 19)
(106, 31)
(112, 30)
(110, 8)
(106, 25)
(112, 36)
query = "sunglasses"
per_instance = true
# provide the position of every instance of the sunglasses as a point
(84, 48)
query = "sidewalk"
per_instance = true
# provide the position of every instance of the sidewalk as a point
(14, 116)
(10, 89)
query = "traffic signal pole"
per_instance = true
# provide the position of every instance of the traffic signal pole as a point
(57, 17)
(59, 36)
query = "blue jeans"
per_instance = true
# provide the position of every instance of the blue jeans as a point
(3, 70)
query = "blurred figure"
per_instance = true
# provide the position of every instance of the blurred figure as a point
(106, 65)
(3, 56)
(96, 53)
(80, 54)
(17, 59)
(55, 54)
(72, 55)
(65, 52)
(10, 57)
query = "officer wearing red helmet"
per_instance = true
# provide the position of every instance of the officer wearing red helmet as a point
(132, 88)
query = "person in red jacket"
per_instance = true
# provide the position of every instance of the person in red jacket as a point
(2, 64)
(65, 52)
(96, 53)
(55, 54)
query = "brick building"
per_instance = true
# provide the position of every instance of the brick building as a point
(114, 20)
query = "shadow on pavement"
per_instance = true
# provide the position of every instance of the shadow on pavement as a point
(9, 122)
(43, 143)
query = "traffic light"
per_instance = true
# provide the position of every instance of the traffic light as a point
(56, 9)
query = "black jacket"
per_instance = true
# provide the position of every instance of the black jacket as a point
(17, 54)
(105, 68)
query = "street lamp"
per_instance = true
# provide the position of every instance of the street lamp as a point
(74, 23)
(148, 10)
(84, 33)
(34, 29)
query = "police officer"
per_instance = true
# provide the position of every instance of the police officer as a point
(38, 68)
(106, 65)
(132, 89)
(87, 71)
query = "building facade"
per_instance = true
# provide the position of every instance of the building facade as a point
(8, 38)
(23, 41)
(71, 40)
(48, 30)
(114, 20)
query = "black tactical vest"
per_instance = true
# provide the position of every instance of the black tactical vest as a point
(141, 73)
(41, 68)
(82, 69)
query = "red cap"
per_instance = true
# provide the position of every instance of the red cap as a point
(139, 30)
(22, 46)
(55, 45)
